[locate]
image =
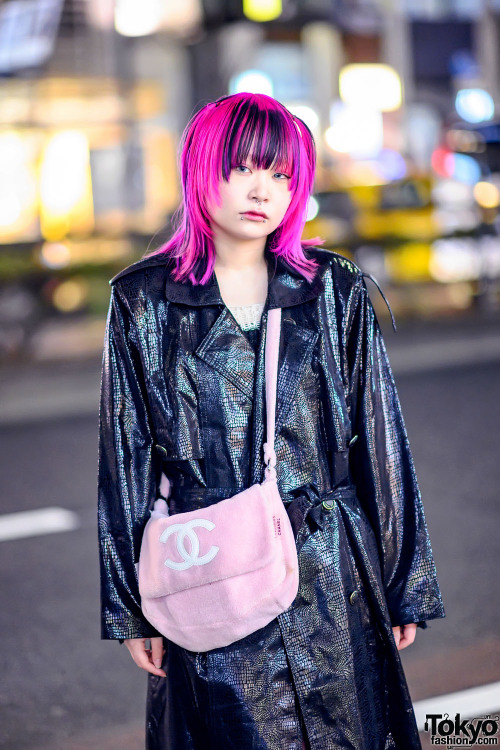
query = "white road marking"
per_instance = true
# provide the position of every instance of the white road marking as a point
(37, 523)
(470, 704)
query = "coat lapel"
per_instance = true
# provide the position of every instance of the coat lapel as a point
(226, 349)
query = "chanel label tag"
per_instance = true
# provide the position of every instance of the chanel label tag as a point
(277, 525)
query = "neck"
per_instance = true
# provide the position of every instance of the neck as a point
(237, 257)
(242, 277)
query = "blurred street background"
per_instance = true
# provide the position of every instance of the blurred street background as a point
(403, 99)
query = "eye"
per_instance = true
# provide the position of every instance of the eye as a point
(282, 176)
(240, 166)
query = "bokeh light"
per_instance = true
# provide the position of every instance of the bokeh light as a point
(375, 85)
(138, 19)
(55, 255)
(262, 10)
(70, 295)
(355, 130)
(474, 105)
(254, 81)
(487, 195)
(312, 208)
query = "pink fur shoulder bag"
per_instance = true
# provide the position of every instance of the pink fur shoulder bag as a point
(211, 576)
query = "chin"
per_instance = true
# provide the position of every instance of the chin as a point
(255, 231)
(258, 226)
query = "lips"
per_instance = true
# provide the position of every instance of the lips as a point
(256, 213)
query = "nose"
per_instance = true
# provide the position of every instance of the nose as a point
(260, 185)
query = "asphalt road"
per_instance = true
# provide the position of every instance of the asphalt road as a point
(63, 688)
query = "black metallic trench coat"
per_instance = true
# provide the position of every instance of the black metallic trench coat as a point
(183, 394)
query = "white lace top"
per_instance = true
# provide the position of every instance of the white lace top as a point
(248, 316)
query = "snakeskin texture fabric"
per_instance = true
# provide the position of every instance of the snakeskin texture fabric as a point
(182, 394)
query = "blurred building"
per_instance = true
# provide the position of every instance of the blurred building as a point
(402, 97)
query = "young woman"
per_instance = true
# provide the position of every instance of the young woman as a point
(183, 397)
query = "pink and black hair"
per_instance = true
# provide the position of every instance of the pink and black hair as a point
(220, 136)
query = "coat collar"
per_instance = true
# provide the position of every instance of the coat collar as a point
(286, 287)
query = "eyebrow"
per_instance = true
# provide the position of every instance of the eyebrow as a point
(275, 168)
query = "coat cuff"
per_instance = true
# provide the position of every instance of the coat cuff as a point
(120, 626)
(420, 619)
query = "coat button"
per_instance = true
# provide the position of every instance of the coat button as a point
(328, 504)
(354, 597)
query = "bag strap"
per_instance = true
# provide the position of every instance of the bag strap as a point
(271, 366)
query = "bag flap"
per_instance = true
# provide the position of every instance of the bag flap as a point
(231, 537)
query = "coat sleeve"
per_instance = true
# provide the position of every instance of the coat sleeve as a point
(128, 475)
(383, 471)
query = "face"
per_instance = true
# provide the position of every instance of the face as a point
(248, 193)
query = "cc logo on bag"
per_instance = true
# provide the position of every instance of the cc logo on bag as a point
(186, 530)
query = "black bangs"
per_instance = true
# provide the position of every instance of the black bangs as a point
(260, 135)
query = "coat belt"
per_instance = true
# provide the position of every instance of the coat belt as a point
(306, 502)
